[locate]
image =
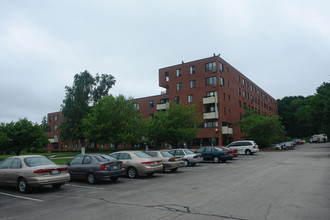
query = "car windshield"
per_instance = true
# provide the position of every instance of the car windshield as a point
(37, 161)
(188, 151)
(142, 155)
(166, 154)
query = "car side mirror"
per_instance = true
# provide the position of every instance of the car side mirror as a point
(67, 163)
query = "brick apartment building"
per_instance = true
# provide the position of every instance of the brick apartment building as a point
(218, 89)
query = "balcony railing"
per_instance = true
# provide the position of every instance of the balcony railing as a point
(53, 140)
(210, 115)
(163, 106)
(210, 100)
(227, 130)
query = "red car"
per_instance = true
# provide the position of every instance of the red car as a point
(233, 151)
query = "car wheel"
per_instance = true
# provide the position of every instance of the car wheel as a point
(91, 178)
(247, 152)
(114, 179)
(132, 173)
(174, 169)
(216, 160)
(23, 186)
(57, 186)
(186, 163)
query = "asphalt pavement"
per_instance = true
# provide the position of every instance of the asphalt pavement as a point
(293, 184)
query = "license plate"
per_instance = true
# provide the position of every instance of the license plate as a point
(115, 167)
(55, 172)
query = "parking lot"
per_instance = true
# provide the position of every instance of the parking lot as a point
(291, 184)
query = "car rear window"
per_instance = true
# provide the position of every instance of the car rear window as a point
(188, 151)
(217, 149)
(104, 158)
(142, 155)
(153, 154)
(166, 154)
(37, 161)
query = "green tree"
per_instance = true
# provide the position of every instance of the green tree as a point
(85, 91)
(44, 125)
(5, 141)
(177, 124)
(24, 135)
(262, 129)
(113, 120)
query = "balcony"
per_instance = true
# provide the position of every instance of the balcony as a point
(163, 106)
(53, 140)
(227, 130)
(210, 100)
(210, 115)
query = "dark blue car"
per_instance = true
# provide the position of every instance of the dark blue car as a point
(214, 154)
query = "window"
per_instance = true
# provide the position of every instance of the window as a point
(221, 67)
(251, 87)
(151, 103)
(211, 81)
(192, 70)
(177, 99)
(136, 106)
(124, 156)
(239, 91)
(243, 82)
(167, 78)
(163, 101)
(210, 94)
(55, 127)
(16, 164)
(224, 96)
(244, 94)
(77, 160)
(87, 160)
(192, 84)
(211, 124)
(178, 72)
(210, 66)
(151, 116)
(56, 136)
(178, 86)
(222, 81)
(5, 164)
(240, 103)
(190, 98)
(55, 117)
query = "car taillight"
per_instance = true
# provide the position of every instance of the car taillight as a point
(103, 167)
(171, 159)
(43, 171)
(254, 146)
(227, 153)
(195, 156)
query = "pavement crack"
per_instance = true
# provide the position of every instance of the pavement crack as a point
(174, 208)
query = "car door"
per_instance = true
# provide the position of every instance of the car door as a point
(14, 171)
(74, 165)
(85, 167)
(207, 154)
(4, 170)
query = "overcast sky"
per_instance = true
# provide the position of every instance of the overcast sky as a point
(282, 45)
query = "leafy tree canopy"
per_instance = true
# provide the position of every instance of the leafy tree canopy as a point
(85, 91)
(262, 129)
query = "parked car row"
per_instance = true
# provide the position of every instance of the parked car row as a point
(286, 145)
(34, 170)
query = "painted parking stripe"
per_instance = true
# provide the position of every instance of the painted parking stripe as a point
(87, 187)
(21, 197)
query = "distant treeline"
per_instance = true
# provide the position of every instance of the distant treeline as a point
(305, 116)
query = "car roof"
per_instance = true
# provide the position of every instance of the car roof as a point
(26, 156)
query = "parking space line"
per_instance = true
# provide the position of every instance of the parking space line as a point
(87, 187)
(21, 197)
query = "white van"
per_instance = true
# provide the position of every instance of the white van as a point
(244, 147)
(319, 138)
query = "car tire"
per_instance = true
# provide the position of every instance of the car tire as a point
(174, 170)
(248, 152)
(186, 163)
(132, 173)
(91, 178)
(23, 187)
(216, 160)
(57, 186)
(114, 179)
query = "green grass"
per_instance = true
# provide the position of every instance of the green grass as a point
(60, 161)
